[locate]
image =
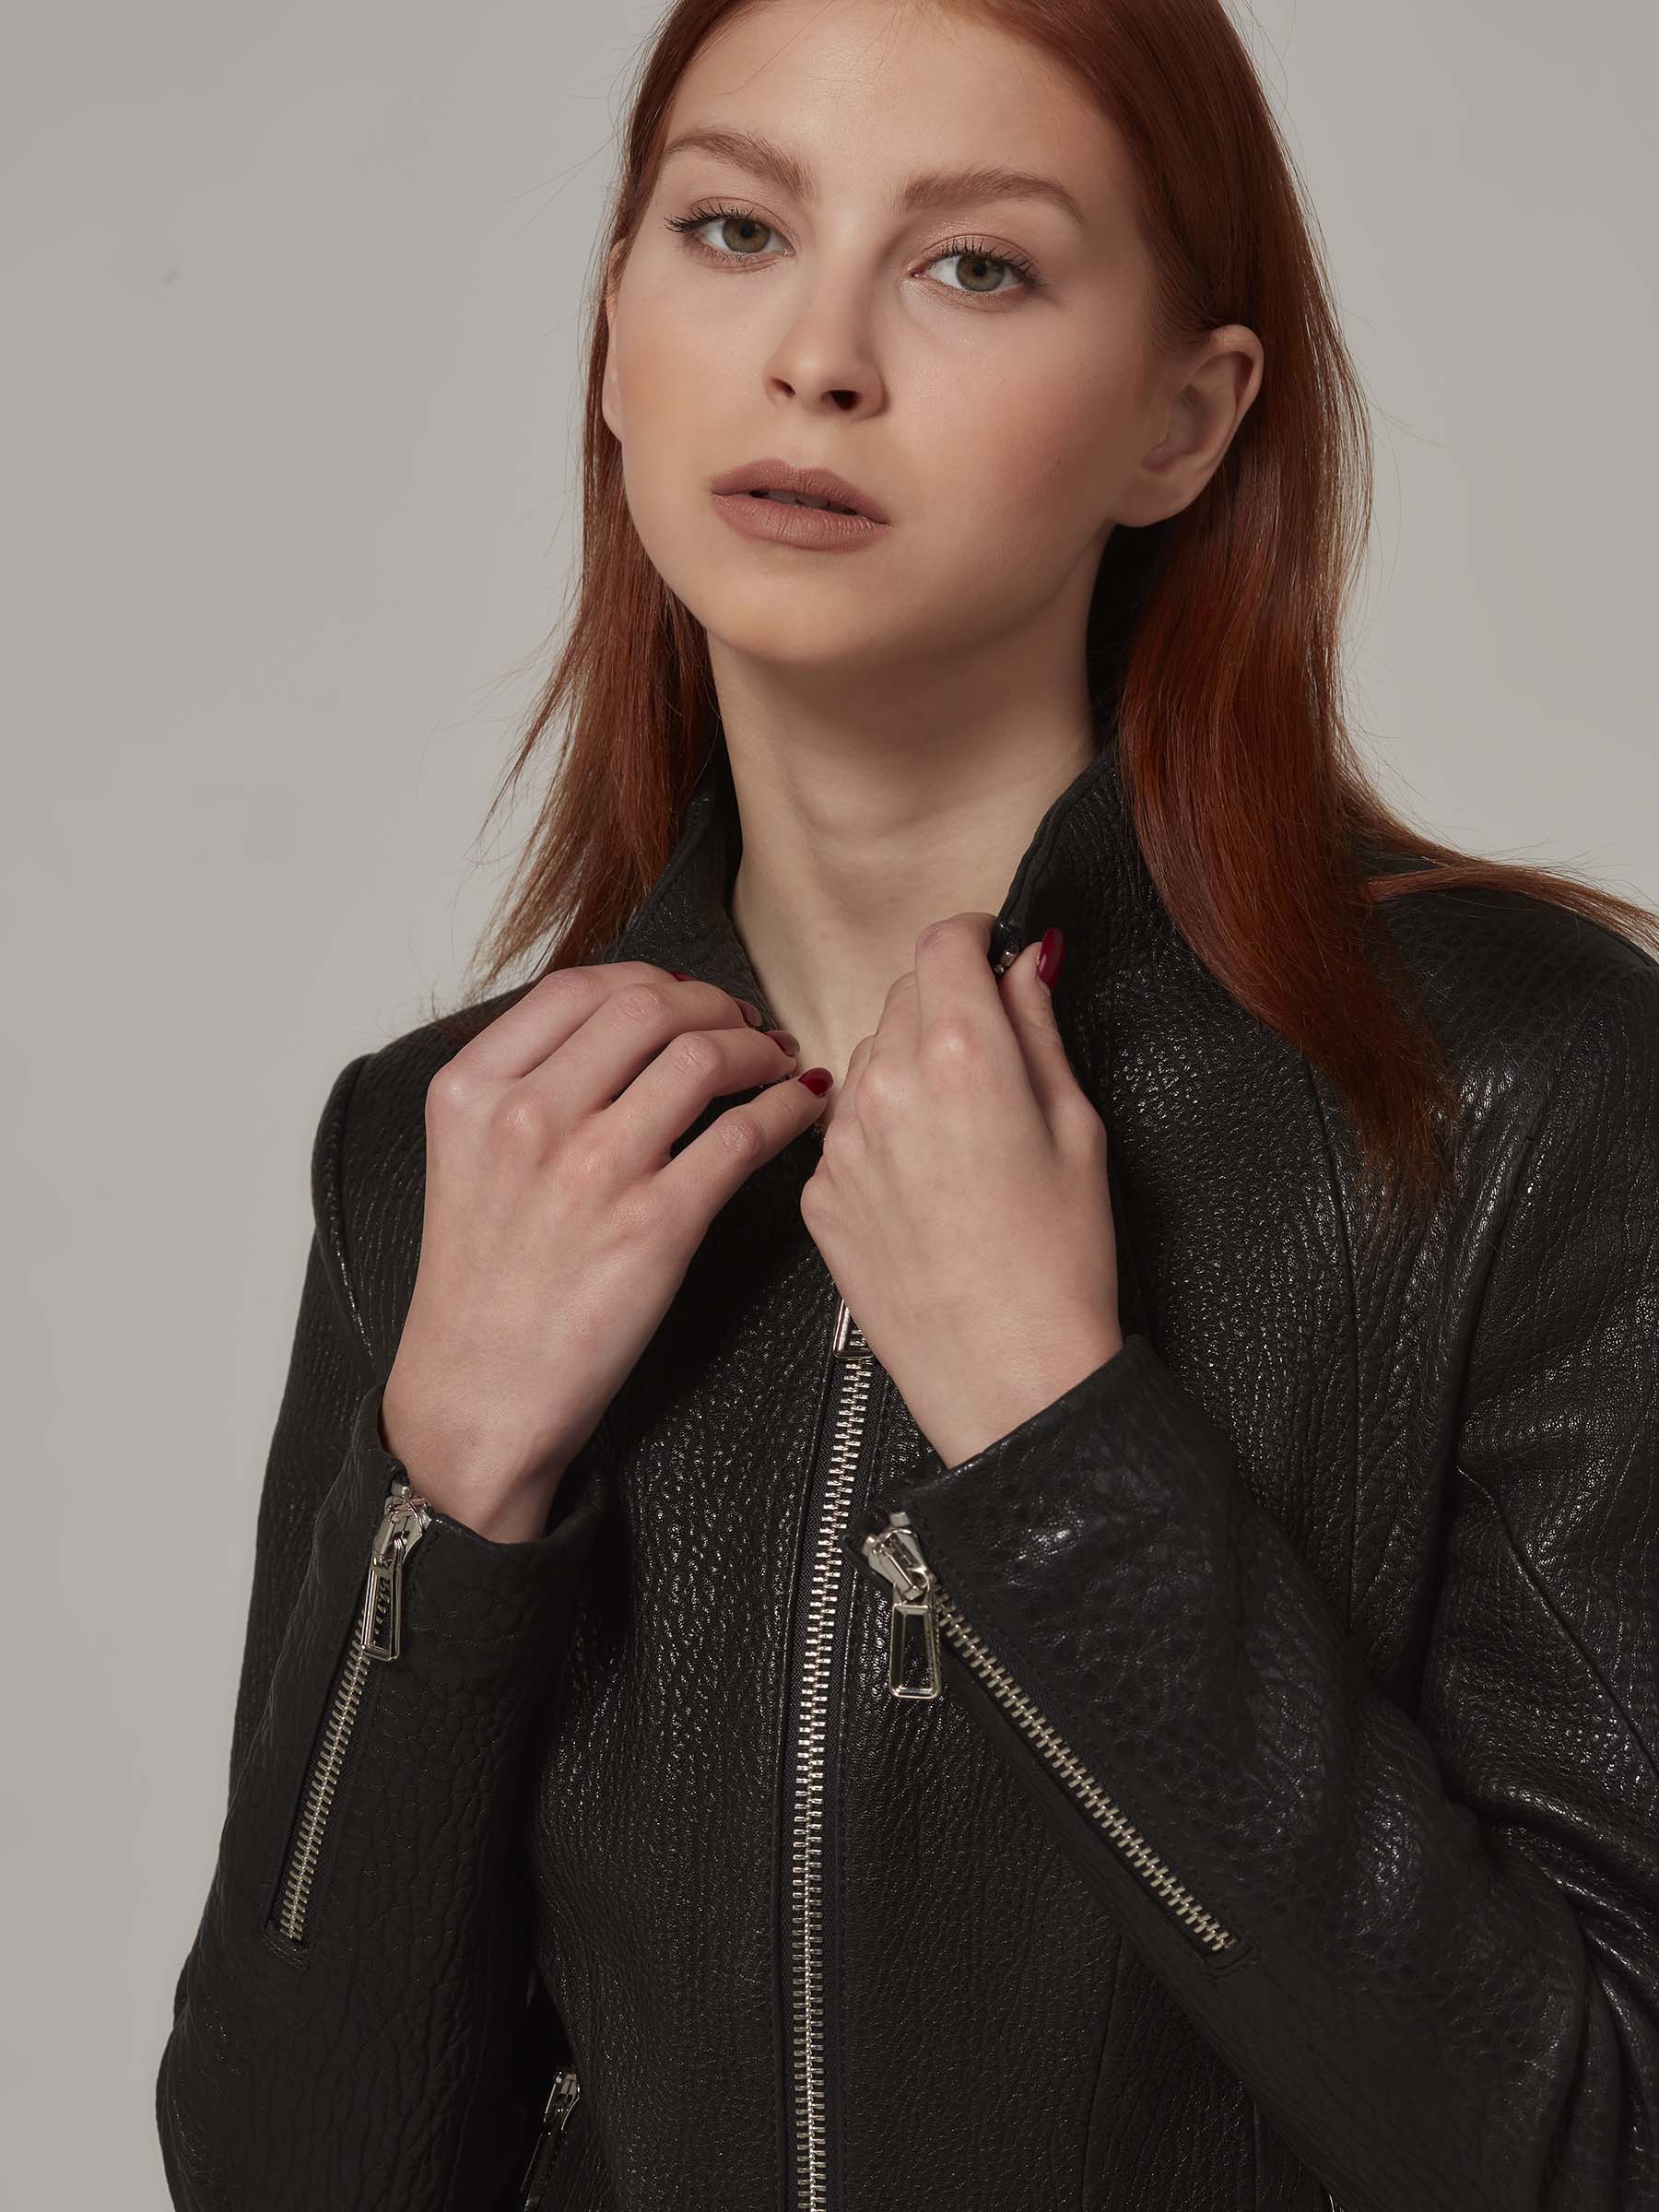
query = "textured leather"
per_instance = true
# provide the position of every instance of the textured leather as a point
(1341, 1579)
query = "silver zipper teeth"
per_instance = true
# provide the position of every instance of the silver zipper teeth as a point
(377, 1635)
(806, 1859)
(917, 1598)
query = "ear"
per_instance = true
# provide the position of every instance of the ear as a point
(1203, 415)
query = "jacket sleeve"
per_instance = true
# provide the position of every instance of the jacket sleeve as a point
(375, 2057)
(1427, 1945)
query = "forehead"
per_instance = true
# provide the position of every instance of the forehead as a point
(867, 95)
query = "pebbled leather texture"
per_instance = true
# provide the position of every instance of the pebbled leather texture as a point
(1341, 1580)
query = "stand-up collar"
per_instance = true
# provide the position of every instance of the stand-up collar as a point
(1081, 871)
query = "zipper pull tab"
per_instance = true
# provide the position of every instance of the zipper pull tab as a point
(847, 1340)
(562, 2102)
(913, 1626)
(402, 1525)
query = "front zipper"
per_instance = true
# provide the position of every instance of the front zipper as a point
(561, 2103)
(377, 1635)
(853, 1365)
(920, 1610)
(856, 1371)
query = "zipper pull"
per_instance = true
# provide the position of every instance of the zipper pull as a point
(561, 2101)
(847, 1340)
(402, 1525)
(1005, 947)
(913, 1626)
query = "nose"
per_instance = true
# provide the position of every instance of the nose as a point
(824, 357)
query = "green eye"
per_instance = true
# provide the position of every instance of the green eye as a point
(961, 249)
(738, 218)
(976, 253)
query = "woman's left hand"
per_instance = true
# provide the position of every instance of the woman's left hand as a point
(961, 1202)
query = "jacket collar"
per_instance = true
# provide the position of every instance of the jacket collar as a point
(1081, 871)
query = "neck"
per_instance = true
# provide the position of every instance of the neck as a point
(854, 837)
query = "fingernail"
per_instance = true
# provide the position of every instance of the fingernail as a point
(680, 975)
(816, 1079)
(790, 1042)
(752, 1015)
(1050, 954)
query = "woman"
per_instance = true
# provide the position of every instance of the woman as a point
(1069, 1622)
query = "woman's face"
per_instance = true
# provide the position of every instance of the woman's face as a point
(1005, 425)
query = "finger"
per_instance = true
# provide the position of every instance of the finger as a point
(1029, 1005)
(557, 1009)
(895, 1034)
(703, 1174)
(953, 977)
(858, 1059)
(627, 1032)
(662, 1102)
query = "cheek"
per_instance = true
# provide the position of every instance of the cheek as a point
(652, 353)
(661, 383)
(1052, 438)
(674, 357)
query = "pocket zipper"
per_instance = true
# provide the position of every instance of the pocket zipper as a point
(561, 2103)
(920, 1610)
(377, 1635)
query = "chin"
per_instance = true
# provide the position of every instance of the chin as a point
(805, 642)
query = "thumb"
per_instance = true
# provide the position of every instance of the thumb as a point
(1029, 1007)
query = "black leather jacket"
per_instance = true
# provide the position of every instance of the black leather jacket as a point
(1284, 1831)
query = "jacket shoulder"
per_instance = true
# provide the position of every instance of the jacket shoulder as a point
(369, 1171)
(1522, 992)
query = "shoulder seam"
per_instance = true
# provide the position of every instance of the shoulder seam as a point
(328, 1208)
(1564, 1628)
(1339, 1201)
(1539, 1123)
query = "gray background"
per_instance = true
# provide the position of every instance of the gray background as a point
(290, 446)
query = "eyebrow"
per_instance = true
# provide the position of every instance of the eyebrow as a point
(927, 188)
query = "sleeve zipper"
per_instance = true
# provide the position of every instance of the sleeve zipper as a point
(377, 1635)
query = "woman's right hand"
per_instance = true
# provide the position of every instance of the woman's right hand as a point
(558, 1226)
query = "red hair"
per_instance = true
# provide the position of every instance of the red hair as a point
(1217, 631)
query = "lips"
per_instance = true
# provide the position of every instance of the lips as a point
(772, 475)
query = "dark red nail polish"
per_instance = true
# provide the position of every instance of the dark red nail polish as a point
(1050, 954)
(680, 975)
(816, 1079)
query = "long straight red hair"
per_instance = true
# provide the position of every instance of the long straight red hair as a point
(1218, 632)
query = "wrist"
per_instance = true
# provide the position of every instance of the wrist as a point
(502, 1504)
(520, 1519)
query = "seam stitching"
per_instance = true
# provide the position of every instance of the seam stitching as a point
(1530, 1143)
(1339, 1196)
(1540, 1589)
(330, 1205)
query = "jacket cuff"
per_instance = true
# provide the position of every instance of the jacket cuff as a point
(1124, 1431)
(473, 1590)
(1165, 1673)
(419, 1822)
